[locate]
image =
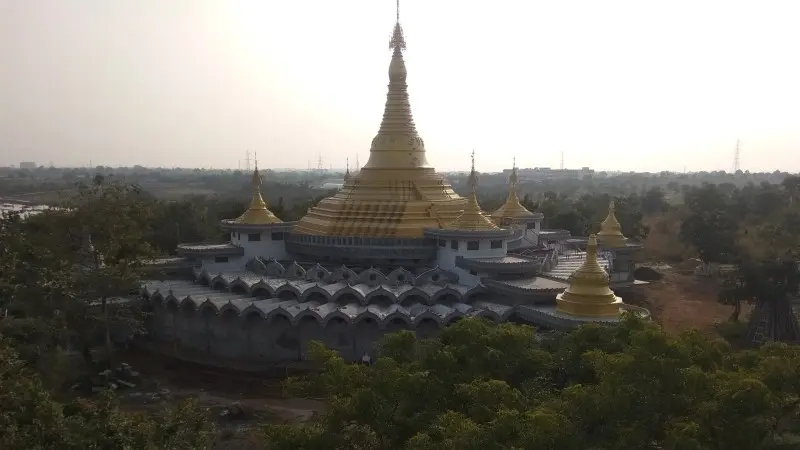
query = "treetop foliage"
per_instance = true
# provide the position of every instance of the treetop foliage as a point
(485, 386)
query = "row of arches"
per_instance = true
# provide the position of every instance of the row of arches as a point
(294, 312)
(345, 294)
(317, 273)
(278, 338)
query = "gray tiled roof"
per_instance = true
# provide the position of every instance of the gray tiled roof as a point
(183, 294)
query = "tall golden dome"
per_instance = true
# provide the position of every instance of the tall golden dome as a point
(512, 209)
(588, 293)
(472, 218)
(397, 193)
(257, 213)
(610, 234)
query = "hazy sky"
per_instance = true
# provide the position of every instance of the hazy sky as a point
(630, 85)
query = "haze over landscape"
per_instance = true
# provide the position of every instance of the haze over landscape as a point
(616, 85)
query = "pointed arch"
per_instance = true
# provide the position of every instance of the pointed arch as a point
(190, 301)
(295, 271)
(372, 277)
(205, 278)
(397, 315)
(229, 308)
(253, 310)
(317, 273)
(258, 290)
(367, 315)
(427, 315)
(475, 294)
(453, 317)
(157, 297)
(307, 313)
(343, 274)
(257, 266)
(172, 302)
(239, 286)
(414, 292)
(282, 290)
(314, 292)
(279, 312)
(219, 282)
(336, 314)
(444, 293)
(348, 290)
(207, 307)
(381, 292)
(400, 276)
(275, 269)
(436, 276)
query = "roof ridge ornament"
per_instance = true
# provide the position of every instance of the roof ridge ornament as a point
(398, 41)
(472, 218)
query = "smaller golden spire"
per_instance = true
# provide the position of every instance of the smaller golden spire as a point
(472, 218)
(588, 293)
(610, 234)
(257, 213)
(347, 171)
(512, 208)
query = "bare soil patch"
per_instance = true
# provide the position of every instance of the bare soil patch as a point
(681, 302)
(239, 402)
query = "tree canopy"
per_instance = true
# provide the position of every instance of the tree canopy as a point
(486, 386)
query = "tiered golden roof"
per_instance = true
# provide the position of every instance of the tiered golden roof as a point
(610, 234)
(472, 218)
(257, 213)
(397, 193)
(512, 209)
(588, 293)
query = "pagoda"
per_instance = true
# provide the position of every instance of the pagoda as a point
(588, 294)
(397, 193)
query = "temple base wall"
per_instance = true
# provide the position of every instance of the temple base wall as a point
(274, 340)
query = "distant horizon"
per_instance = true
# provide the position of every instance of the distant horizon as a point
(620, 85)
(343, 169)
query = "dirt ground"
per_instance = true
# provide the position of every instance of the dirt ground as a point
(165, 382)
(682, 301)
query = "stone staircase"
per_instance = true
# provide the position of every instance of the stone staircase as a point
(569, 263)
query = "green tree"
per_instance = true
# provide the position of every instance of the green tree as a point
(32, 419)
(480, 385)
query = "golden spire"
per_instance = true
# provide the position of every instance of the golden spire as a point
(347, 171)
(610, 234)
(472, 218)
(588, 293)
(396, 193)
(397, 144)
(512, 208)
(257, 213)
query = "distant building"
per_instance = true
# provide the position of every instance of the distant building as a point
(27, 165)
(546, 173)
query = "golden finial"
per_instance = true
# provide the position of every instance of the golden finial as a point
(513, 178)
(398, 41)
(512, 208)
(258, 213)
(473, 218)
(588, 293)
(472, 181)
(610, 234)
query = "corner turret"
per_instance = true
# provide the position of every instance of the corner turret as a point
(257, 213)
(610, 235)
